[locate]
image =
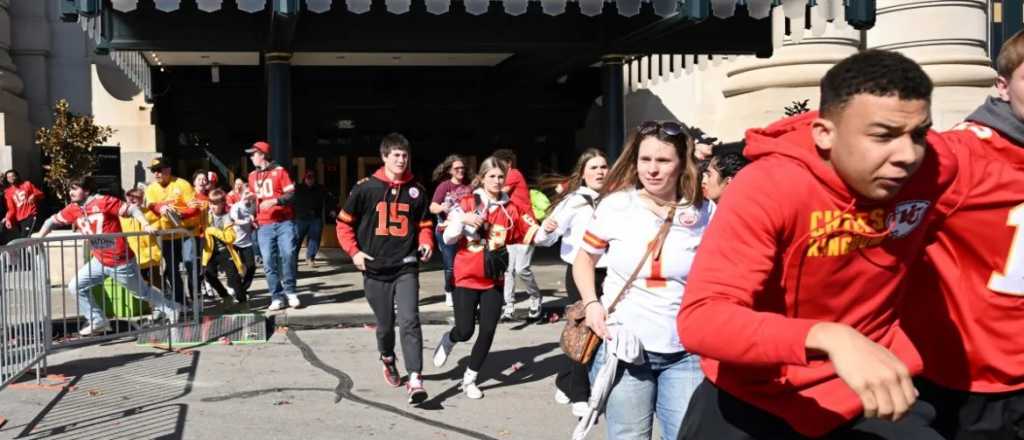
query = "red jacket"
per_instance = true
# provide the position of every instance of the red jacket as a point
(519, 192)
(773, 264)
(969, 337)
(22, 200)
(506, 224)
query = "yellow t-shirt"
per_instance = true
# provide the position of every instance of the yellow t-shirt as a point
(177, 193)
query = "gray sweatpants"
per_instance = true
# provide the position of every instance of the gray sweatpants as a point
(519, 256)
(382, 296)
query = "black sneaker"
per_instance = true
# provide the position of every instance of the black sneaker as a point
(391, 375)
(444, 348)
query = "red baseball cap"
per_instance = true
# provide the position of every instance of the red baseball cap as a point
(260, 146)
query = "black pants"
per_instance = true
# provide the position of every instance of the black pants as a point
(23, 228)
(573, 379)
(963, 415)
(466, 314)
(716, 415)
(222, 260)
(384, 297)
(171, 254)
(248, 255)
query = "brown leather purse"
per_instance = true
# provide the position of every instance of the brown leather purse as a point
(578, 341)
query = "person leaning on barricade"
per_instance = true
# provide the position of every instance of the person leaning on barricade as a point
(169, 197)
(93, 214)
(145, 247)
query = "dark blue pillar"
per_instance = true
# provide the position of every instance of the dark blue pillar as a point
(279, 106)
(614, 112)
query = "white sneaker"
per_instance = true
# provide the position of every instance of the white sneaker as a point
(561, 398)
(276, 305)
(293, 301)
(507, 312)
(580, 409)
(472, 391)
(94, 328)
(535, 303)
(448, 299)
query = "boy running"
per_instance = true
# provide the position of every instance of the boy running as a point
(385, 228)
(791, 298)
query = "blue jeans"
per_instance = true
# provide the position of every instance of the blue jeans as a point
(127, 275)
(311, 228)
(661, 387)
(448, 260)
(277, 246)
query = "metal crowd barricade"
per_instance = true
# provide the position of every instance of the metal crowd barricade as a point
(54, 287)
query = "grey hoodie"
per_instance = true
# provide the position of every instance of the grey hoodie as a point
(997, 114)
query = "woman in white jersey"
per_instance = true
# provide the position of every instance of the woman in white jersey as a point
(569, 214)
(650, 375)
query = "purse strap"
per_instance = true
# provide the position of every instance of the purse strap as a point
(659, 241)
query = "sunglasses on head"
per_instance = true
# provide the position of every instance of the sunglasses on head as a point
(666, 128)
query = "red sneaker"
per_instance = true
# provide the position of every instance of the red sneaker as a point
(391, 375)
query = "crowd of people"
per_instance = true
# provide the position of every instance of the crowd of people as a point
(843, 273)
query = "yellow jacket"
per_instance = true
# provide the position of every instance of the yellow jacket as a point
(178, 194)
(145, 247)
(226, 236)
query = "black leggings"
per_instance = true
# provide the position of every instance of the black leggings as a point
(466, 302)
(573, 379)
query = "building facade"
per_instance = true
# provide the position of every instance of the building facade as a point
(43, 59)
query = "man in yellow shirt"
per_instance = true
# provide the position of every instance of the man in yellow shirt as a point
(169, 197)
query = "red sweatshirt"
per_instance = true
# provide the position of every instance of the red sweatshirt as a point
(969, 337)
(774, 263)
(518, 191)
(21, 201)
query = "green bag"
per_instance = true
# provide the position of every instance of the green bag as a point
(539, 203)
(117, 301)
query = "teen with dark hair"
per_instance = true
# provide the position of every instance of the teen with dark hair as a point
(792, 298)
(22, 199)
(482, 225)
(969, 337)
(570, 213)
(93, 214)
(519, 255)
(447, 195)
(725, 162)
(384, 227)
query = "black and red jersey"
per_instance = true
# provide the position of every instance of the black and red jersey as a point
(387, 220)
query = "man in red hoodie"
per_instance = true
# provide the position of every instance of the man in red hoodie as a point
(791, 298)
(965, 311)
(385, 228)
(22, 199)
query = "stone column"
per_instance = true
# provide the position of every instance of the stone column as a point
(614, 110)
(758, 90)
(279, 106)
(16, 136)
(950, 40)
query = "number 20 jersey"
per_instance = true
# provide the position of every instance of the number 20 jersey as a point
(965, 305)
(388, 220)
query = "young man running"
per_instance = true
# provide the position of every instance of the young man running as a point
(791, 298)
(94, 214)
(272, 191)
(385, 228)
(965, 311)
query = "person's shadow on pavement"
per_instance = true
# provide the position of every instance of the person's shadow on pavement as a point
(500, 366)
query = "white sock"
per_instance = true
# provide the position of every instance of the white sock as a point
(414, 378)
(469, 377)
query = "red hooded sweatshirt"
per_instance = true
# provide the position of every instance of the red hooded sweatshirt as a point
(792, 246)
